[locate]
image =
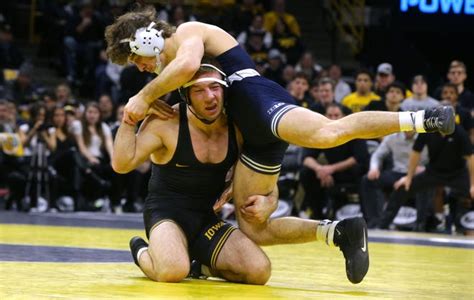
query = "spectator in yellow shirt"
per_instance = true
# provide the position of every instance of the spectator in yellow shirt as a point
(363, 94)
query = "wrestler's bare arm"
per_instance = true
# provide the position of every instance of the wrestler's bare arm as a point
(130, 149)
(181, 68)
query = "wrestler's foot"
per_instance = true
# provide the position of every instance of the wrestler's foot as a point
(195, 271)
(350, 235)
(136, 244)
(440, 118)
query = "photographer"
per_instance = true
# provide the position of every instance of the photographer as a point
(38, 143)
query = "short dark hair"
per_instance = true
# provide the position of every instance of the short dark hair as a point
(450, 85)
(344, 109)
(125, 26)
(327, 80)
(364, 71)
(398, 85)
(302, 75)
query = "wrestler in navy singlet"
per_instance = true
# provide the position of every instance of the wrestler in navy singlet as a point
(184, 190)
(256, 104)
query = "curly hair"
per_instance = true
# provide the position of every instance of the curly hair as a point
(125, 26)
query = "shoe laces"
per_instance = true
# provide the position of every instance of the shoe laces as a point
(433, 122)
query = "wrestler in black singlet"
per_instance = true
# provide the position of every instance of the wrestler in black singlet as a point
(184, 191)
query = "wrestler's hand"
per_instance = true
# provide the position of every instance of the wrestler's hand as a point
(161, 109)
(258, 208)
(223, 199)
(135, 110)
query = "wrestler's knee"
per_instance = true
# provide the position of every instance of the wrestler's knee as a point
(260, 270)
(326, 137)
(172, 272)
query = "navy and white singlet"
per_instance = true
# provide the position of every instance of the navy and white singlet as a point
(256, 104)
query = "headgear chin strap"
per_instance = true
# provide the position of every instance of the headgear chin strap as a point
(147, 41)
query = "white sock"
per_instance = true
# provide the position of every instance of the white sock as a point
(325, 232)
(140, 253)
(410, 120)
(406, 120)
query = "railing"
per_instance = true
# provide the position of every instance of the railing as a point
(348, 17)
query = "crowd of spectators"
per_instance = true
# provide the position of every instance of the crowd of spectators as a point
(57, 140)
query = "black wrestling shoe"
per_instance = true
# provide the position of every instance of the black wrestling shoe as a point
(195, 270)
(137, 243)
(440, 118)
(350, 235)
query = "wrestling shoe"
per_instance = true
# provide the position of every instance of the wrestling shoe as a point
(137, 243)
(195, 270)
(350, 235)
(440, 118)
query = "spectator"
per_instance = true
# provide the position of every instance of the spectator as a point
(384, 78)
(107, 111)
(314, 92)
(131, 81)
(65, 98)
(342, 88)
(10, 55)
(255, 28)
(449, 96)
(256, 48)
(166, 14)
(420, 99)
(288, 74)
(278, 13)
(449, 159)
(275, 66)
(108, 79)
(66, 177)
(243, 14)
(394, 148)
(38, 144)
(12, 170)
(363, 93)
(287, 42)
(457, 75)
(50, 102)
(83, 41)
(23, 90)
(298, 88)
(308, 65)
(52, 27)
(326, 97)
(94, 140)
(179, 15)
(393, 98)
(345, 166)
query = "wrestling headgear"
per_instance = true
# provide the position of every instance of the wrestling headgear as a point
(148, 42)
(183, 91)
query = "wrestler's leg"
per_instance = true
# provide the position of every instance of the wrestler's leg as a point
(309, 129)
(166, 259)
(241, 260)
(349, 235)
(285, 230)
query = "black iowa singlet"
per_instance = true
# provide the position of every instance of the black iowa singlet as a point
(185, 182)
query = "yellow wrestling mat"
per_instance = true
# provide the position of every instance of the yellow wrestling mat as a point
(30, 269)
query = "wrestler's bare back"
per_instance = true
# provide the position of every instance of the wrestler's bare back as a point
(215, 40)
